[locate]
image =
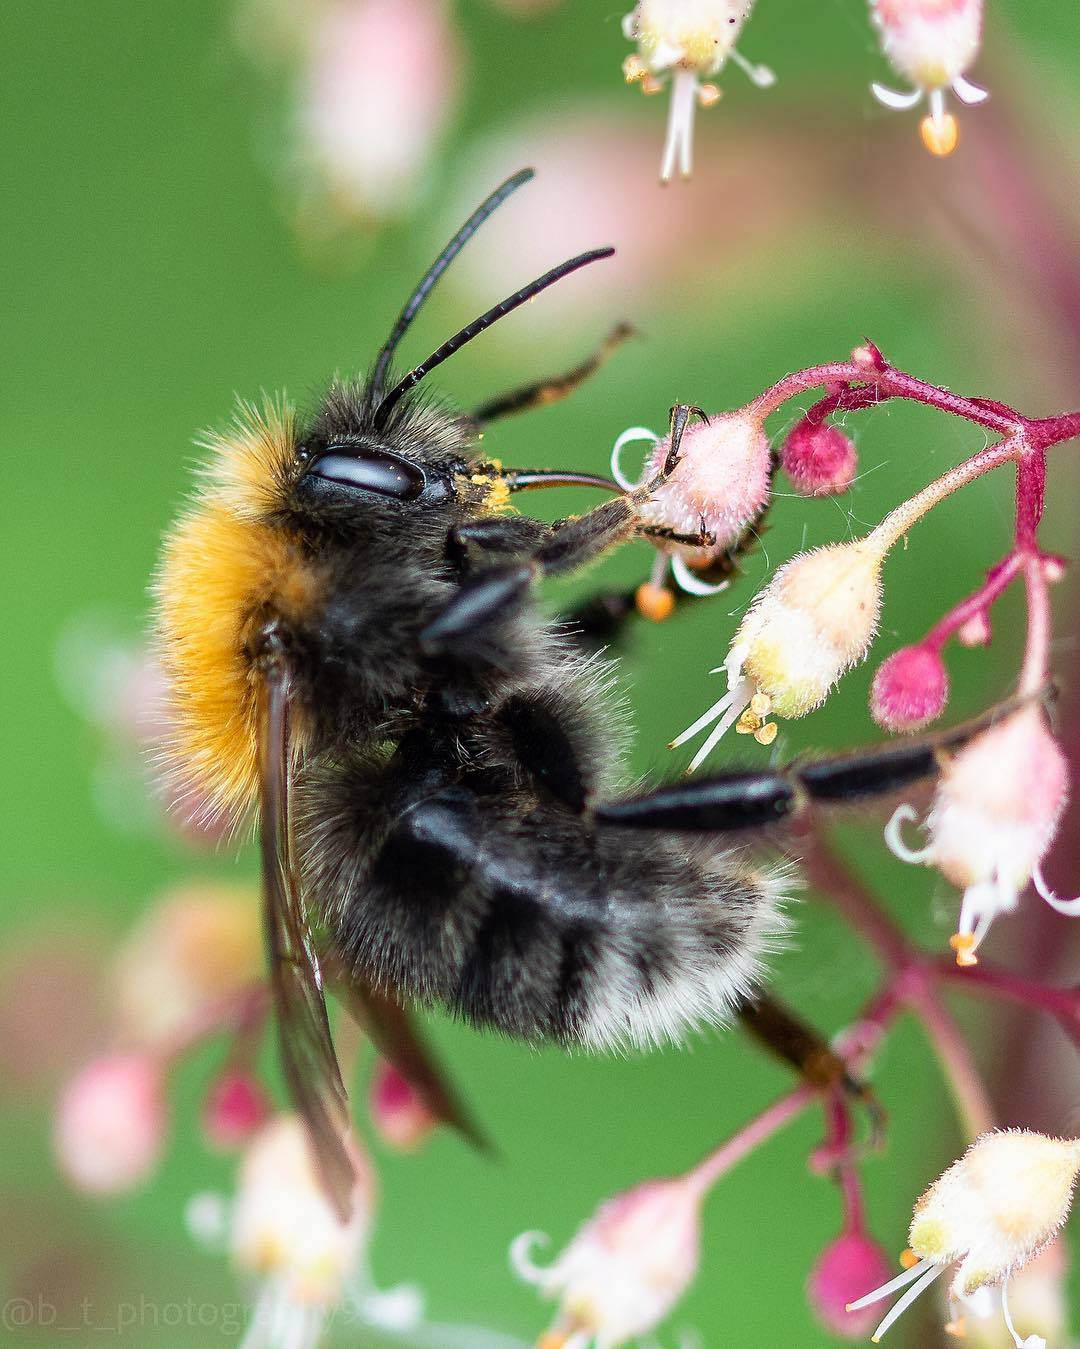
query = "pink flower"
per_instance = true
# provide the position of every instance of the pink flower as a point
(847, 1268)
(910, 689)
(994, 816)
(235, 1108)
(375, 97)
(626, 1267)
(931, 43)
(397, 1112)
(819, 459)
(111, 1123)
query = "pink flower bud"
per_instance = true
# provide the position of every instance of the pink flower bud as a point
(111, 1123)
(910, 689)
(846, 1270)
(235, 1107)
(819, 459)
(397, 1112)
(975, 632)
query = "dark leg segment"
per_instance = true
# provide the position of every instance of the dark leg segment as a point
(556, 387)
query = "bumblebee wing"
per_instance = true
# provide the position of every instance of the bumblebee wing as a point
(393, 1033)
(308, 1060)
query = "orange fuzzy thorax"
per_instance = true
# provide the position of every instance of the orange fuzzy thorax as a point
(222, 567)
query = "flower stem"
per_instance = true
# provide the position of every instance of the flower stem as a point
(705, 1175)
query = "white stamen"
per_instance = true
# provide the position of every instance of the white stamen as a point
(895, 98)
(1032, 1341)
(521, 1261)
(909, 1297)
(761, 76)
(894, 837)
(936, 100)
(660, 565)
(1069, 907)
(739, 693)
(680, 128)
(901, 1281)
(627, 438)
(693, 585)
(969, 94)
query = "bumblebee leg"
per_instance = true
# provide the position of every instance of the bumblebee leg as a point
(748, 800)
(555, 388)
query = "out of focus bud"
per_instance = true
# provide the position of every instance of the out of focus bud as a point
(687, 39)
(931, 43)
(111, 1122)
(397, 1112)
(196, 948)
(1037, 1299)
(846, 1270)
(819, 459)
(375, 97)
(814, 620)
(910, 689)
(720, 485)
(989, 1214)
(976, 631)
(994, 816)
(235, 1108)
(626, 1267)
(285, 1232)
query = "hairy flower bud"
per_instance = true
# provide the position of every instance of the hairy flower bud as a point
(989, 1214)
(994, 816)
(910, 689)
(819, 459)
(932, 44)
(845, 1270)
(626, 1267)
(111, 1123)
(814, 620)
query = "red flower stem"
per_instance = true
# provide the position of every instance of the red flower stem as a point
(705, 1175)
(990, 981)
(998, 580)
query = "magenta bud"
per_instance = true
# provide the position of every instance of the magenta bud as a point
(910, 689)
(847, 1269)
(397, 1111)
(236, 1107)
(819, 459)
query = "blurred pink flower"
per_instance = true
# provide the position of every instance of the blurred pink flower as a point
(111, 1122)
(397, 1112)
(377, 89)
(845, 1270)
(235, 1108)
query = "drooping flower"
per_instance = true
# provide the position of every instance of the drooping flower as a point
(819, 459)
(197, 947)
(624, 1270)
(111, 1123)
(988, 1215)
(814, 620)
(719, 488)
(688, 39)
(931, 43)
(993, 819)
(910, 689)
(846, 1269)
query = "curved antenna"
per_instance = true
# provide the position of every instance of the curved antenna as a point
(431, 276)
(478, 325)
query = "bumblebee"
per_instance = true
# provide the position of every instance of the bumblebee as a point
(348, 620)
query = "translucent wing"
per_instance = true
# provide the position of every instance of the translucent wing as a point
(307, 1052)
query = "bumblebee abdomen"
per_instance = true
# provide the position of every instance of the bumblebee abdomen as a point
(521, 916)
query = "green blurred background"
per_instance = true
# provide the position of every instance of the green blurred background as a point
(150, 272)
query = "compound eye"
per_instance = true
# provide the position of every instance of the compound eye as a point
(377, 471)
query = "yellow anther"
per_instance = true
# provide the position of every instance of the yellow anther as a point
(941, 134)
(748, 723)
(709, 94)
(963, 943)
(761, 704)
(766, 734)
(654, 602)
(634, 69)
(908, 1258)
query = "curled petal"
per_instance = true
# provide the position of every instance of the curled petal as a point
(693, 585)
(895, 98)
(894, 837)
(521, 1261)
(968, 93)
(1069, 907)
(761, 76)
(627, 438)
